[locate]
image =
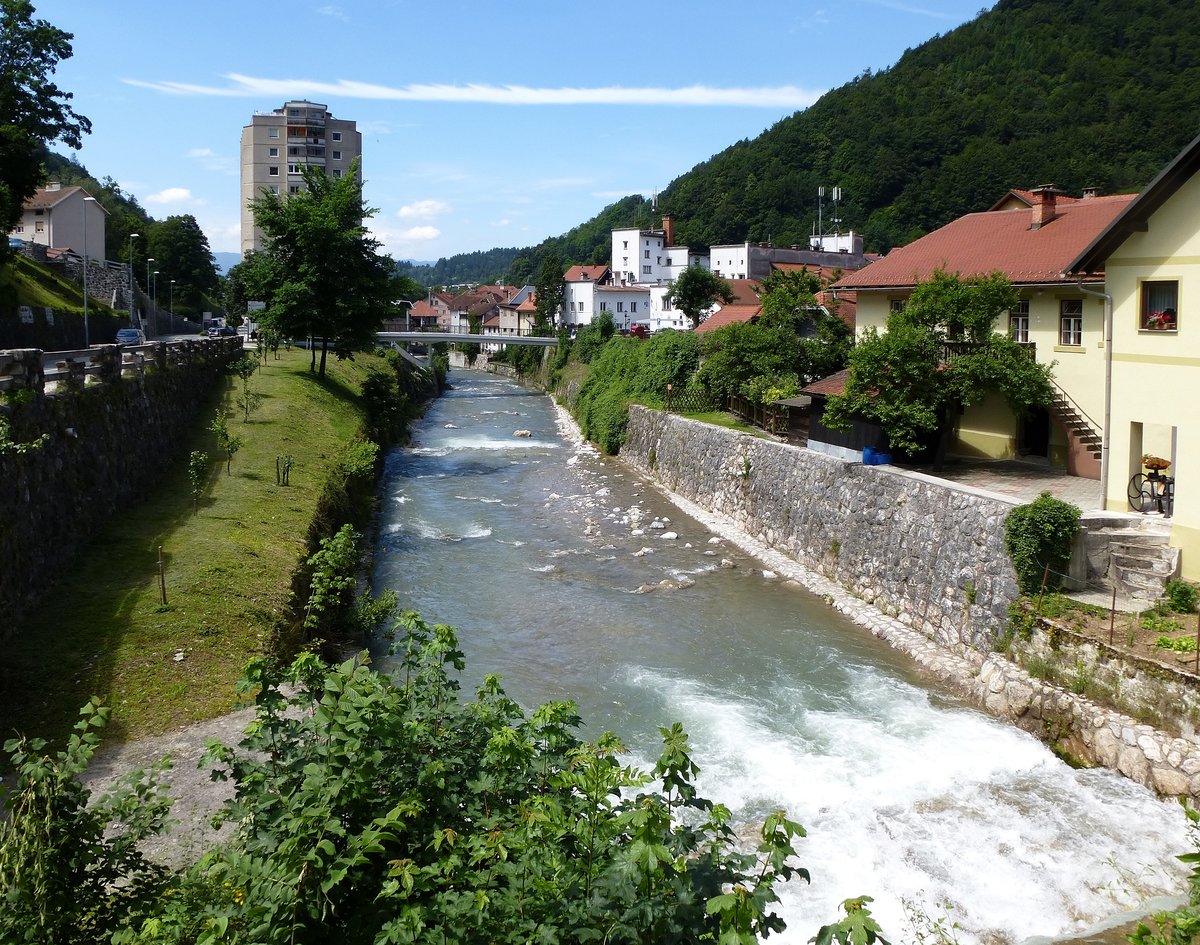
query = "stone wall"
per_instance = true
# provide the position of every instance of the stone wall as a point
(917, 561)
(106, 445)
(917, 548)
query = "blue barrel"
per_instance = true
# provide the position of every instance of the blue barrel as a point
(868, 456)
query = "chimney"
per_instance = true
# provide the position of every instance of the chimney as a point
(1044, 200)
(668, 230)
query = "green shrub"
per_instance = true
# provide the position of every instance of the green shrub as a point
(1040, 534)
(1176, 644)
(1181, 597)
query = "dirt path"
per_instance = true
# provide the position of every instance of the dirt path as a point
(196, 797)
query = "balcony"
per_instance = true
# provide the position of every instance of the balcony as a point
(953, 349)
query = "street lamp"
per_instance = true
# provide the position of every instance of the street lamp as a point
(132, 311)
(172, 308)
(154, 296)
(87, 341)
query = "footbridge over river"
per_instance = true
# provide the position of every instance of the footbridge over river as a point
(437, 337)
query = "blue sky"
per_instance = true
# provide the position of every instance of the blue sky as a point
(485, 123)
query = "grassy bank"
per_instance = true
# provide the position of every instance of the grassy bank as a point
(229, 569)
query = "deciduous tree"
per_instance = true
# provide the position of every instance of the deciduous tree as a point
(695, 291)
(33, 110)
(327, 277)
(180, 251)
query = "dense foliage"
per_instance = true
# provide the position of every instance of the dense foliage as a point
(792, 344)
(695, 290)
(1038, 536)
(376, 809)
(632, 369)
(904, 380)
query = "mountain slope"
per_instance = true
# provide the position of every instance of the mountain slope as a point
(1072, 92)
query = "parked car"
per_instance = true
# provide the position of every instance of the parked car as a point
(130, 336)
(15, 242)
(223, 331)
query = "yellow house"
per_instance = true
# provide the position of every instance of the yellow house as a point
(1151, 255)
(1030, 237)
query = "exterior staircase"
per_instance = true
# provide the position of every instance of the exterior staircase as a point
(1078, 424)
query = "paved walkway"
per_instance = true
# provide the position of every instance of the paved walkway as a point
(1023, 481)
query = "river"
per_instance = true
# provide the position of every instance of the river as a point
(550, 560)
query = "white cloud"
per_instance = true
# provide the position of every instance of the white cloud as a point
(502, 223)
(422, 210)
(243, 86)
(201, 153)
(909, 8)
(212, 161)
(175, 196)
(419, 233)
(334, 11)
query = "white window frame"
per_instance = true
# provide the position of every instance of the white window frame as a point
(272, 132)
(1070, 323)
(1018, 322)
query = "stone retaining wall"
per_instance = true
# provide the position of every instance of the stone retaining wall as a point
(106, 445)
(915, 547)
(918, 561)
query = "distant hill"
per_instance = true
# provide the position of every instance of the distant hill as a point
(226, 261)
(1076, 93)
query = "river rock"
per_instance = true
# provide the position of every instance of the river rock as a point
(668, 536)
(522, 433)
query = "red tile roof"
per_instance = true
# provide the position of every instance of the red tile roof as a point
(828, 386)
(981, 243)
(45, 198)
(728, 315)
(745, 291)
(585, 274)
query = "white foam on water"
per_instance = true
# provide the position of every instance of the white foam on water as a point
(903, 799)
(544, 569)
(486, 500)
(444, 445)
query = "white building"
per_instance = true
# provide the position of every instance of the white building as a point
(754, 260)
(579, 295)
(278, 145)
(640, 256)
(56, 216)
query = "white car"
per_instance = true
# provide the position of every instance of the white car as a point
(130, 336)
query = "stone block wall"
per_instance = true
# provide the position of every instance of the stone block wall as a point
(107, 445)
(921, 550)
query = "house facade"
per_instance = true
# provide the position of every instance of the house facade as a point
(62, 217)
(1150, 255)
(1030, 237)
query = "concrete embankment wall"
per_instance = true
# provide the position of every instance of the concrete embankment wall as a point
(106, 445)
(918, 561)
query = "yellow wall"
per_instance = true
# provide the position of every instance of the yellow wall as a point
(1156, 374)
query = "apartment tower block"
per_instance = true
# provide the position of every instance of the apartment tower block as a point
(278, 145)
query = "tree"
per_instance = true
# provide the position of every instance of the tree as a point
(327, 278)
(903, 379)
(180, 251)
(33, 110)
(551, 290)
(695, 291)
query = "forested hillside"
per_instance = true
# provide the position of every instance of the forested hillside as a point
(1070, 92)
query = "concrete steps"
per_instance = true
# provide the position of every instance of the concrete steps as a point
(1141, 563)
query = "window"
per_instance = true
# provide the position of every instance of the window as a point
(624, 244)
(620, 306)
(273, 170)
(337, 136)
(1018, 323)
(272, 132)
(633, 306)
(293, 152)
(1160, 304)
(897, 305)
(581, 306)
(337, 173)
(1070, 323)
(20, 228)
(337, 155)
(272, 152)
(660, 260)
(274, 188)
(645, 270)
(293, 168)
(604, 306)
(293, 188)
